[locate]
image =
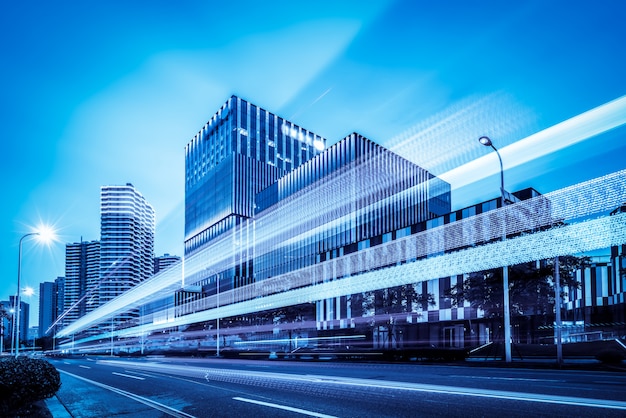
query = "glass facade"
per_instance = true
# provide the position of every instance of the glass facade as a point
(387, 194)
(241, 150)
(82, 275)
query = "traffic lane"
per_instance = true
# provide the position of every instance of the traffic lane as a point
(260, 396)
(377, 398)
(582, 383)
(371, 397)
(94, 391)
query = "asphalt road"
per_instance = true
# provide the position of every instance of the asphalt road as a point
(154, 387)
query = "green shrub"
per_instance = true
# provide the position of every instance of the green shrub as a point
(24, 381)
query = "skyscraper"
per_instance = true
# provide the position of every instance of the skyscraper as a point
(47, 306)
(59, 285)
(127, 224)
(82, 274)
(240, 151)
(164, 261)
(24, 312)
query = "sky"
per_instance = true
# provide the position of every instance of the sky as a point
(110, 92)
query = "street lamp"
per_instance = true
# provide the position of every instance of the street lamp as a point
(217, 353)
(505, 269)
(45, 234)
(557, 308)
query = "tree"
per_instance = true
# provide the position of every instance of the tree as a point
(532, 292)
(390, 304)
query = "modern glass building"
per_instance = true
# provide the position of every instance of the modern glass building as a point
(355, 195)
(48, 302)
(240, 151)
(127, 225)
(386, 193)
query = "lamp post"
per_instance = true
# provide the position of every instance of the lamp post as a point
(505, 269)
(16, 322)
(218, 318)
(45, 234)
(557, 312)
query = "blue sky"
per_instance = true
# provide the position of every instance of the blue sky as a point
(109, 92)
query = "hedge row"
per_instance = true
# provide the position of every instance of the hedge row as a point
(24, 381)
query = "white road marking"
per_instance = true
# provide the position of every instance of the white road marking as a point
(284, 407)
(84, 367)
(141, 374)
(128, 375)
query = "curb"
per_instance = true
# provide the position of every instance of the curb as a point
(56, 408)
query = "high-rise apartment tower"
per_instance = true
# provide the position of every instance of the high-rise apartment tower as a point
(127, 224)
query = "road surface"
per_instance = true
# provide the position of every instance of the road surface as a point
(160, 386)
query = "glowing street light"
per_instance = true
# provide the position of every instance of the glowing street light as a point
(505, 269)
(45, 234)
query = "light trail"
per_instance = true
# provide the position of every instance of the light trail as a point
(594, 198)
(482, 393)
(586, 236)
(315, 206)
(448, 139)
(324, 206)
(244, 376)
(555, 138)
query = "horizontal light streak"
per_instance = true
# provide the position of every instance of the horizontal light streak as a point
(482, 393)
(321, 203)
(571, 239)
(562, 135)
(241, 376)
(286, 340)
(449, 138)
(572, 202)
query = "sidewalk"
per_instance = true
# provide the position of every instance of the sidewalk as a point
(580, 363)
